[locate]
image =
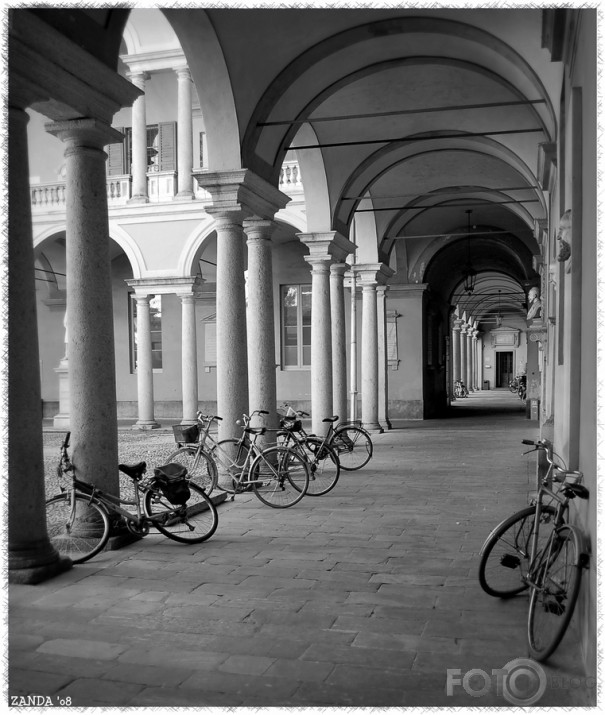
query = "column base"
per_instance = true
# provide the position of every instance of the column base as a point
(146, 424)
(35, 564)
(184, 196)
(372, 427)
(138, 200)
(61, 422)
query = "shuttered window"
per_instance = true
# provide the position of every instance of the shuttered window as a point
(161, 150)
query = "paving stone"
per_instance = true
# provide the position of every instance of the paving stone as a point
(79, 648)
(96, 693)
(246, 664)
(304, 670)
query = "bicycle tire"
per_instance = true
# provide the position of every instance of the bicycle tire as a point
(513, 388)
(324, 465)
(200, 466)
(230, 457)
(279, 477)
(353, 446)
(190, 526)
(504, 556)
(553, 600)
(79, 533)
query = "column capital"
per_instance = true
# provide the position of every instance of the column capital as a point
(458, 323)
(138, 77)
(183, 73)
(329, 244)
(319, 264)
(373, 273)
(258, 229)
(339, 269)
(84, 132)
(163, 286)
(240, 190)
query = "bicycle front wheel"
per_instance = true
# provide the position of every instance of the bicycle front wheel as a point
(279, 477)
(231, 458)
(200, 466)
(353, 447)
(504, 557)
(555, 593)
(190, 524)
(324, 466)
(77, 526)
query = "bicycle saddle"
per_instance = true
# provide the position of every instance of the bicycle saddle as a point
(134, 471)
(255, 430)
(330, 419)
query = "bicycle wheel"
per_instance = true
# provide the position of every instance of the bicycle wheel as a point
(279, 477)
(78, 530)
(353, 447)
(513, 387)
(230, 457)
(554, 596)
(324, 466)
(504, 557)
(190, 524)
(200, 466)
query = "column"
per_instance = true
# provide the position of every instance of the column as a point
(31, 558)
(476, 362)
(321, 344)
(189, 359)
(383, 386)
(463, 353)
(144, 365)
(456, 354)
(261, 328)
(369, 356)
(231, 343)
(139, 142)
(89, 297)
(184, 135)
(469, 358)
(339, 346)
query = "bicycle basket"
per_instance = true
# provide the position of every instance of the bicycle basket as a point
(291, 425)
(172, 482)
(184, 433)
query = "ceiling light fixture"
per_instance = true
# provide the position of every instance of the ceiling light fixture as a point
(470, 277)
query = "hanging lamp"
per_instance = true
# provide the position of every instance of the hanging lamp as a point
(470, 275)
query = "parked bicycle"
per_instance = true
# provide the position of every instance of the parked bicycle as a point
(78, 519)
(460, 389)
(323, 461)
(193, 444)
(522, 389)
(351, 442)
(513, 385)
(537, 549)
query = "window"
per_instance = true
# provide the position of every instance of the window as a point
(161, 150)
(155, 311)
(296, 326)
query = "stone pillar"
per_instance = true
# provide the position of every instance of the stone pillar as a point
(456, 354)
(185, 135)
(469, 358)
(189, 359)
(261, 328)
(89, 297)
(139, 142)
(339, 346)
(31, 558)
(144, 366)
(383, 383)
(321, 344)
(463, 353)
(476, 363)
(369, 356)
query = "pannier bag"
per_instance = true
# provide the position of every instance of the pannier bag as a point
(172, 482)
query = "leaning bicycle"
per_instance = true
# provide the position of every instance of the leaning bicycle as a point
(537, 549)
(79, 519)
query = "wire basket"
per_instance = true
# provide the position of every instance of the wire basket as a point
(292, 425)
(186, 433)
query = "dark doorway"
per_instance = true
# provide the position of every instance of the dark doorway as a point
(504, 368)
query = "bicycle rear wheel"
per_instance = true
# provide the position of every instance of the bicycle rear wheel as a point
(200, 466)
(78, 528)
(230, 457)
(279, 477)
(324, 466)
(554, 597)
(504, 557)
(353, 447)
(191, 524)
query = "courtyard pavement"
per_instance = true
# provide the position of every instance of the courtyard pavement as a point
(364, 597)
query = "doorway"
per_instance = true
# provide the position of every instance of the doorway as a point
(504, 368)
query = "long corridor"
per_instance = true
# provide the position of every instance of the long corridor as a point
(366, 596)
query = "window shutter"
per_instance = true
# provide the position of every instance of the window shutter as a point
(116, 158)
(167, 146)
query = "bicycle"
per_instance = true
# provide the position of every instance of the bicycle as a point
(78, 519)
(352, 443)
(513, 385)
(460, 389)
(277, 475)
(323, 461)
(537, 549)
(192, 453)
